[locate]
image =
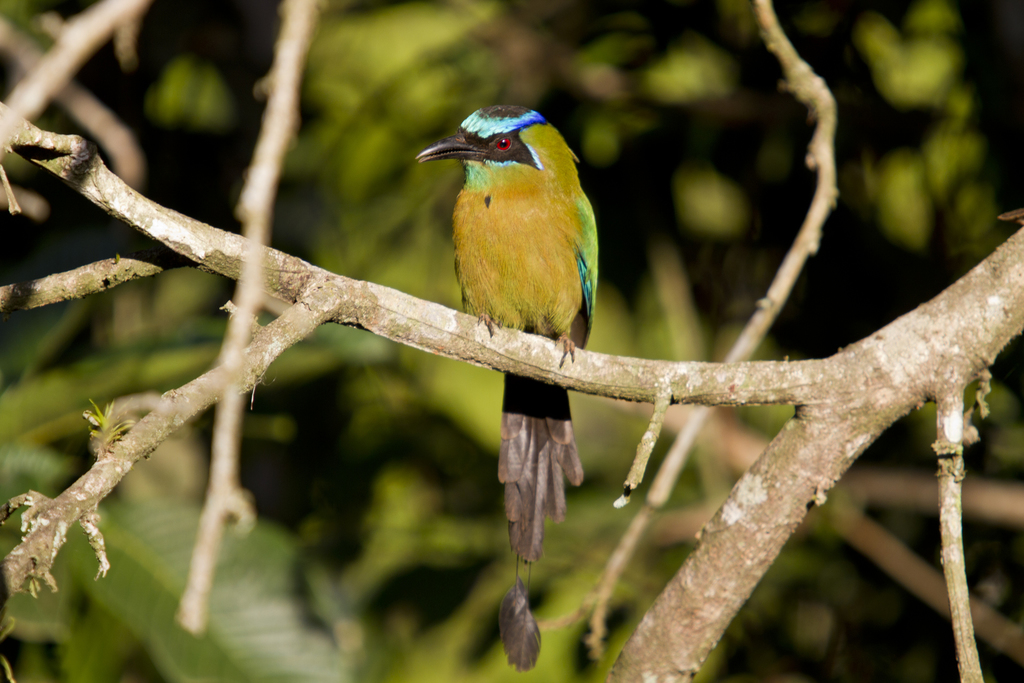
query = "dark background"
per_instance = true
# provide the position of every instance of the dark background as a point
(372, 465)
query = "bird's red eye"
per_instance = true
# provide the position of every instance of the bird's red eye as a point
(503, 144)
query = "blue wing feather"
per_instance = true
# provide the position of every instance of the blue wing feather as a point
(586, 256)
(587, 284)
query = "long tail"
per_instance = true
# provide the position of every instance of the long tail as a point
(537, 446)
(519, 633)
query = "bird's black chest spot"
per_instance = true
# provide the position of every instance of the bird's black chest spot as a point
(487, 201)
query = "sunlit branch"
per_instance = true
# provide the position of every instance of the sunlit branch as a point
(427, 326)
(225, 499)
(34, 556)
(79, 38)
(858, 370)
(91, 279)
(845, 401)
(117, 140)
(811, 90)
(949, 447)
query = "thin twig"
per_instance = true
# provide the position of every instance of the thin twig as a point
(18, 501)
(644, 448)
(949, 447)
(117, 139)
(33, 557)
(80, 37)
(12, 201)
(673, 289)
(91, 279)
(32, 205)
(225, 498)
(904, 565)
(951, 474)
(126, 48)
(985, 501)
(984, 389)
(623, 553)
(811, 90)
(90, 524)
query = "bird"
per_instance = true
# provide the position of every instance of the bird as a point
(525, 258)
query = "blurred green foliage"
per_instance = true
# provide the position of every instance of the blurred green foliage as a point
(917, 69)
(692, 69)
(381, 551)
(191, 94)
(710, 205)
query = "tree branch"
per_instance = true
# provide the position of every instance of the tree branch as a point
(845, 401)
(225, 498)
(34, 556)
(949, 447)
(985, 501)
(920, 578)
(422, 324)
(979, 314)
(812, 91)
(116, 139)
(80, 37)
(811, 453)
(951, 474)
(890, 487)
(91, 279)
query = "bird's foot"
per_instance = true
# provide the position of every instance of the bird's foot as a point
(568, 349)
(491, 324)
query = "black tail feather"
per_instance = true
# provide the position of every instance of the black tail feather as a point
(537, 447)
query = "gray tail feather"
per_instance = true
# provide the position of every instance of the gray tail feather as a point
(537, 447)
(519, 633)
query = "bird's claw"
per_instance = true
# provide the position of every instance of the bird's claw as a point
(489, 322)
(568, 349)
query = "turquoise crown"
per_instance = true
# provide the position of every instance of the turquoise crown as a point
(500, 119)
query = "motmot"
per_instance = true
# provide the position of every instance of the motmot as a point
(525, 258)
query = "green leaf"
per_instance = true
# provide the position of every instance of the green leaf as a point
(49, 405)
(98, 648)
(932, 16)
(25, 466)
(952, 153)
(259, 628)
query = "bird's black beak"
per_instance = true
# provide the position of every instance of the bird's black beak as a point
(454, 147)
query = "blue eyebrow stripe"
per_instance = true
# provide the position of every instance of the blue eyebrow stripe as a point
(486, 127)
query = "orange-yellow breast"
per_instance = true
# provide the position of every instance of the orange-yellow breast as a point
(516, 238)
